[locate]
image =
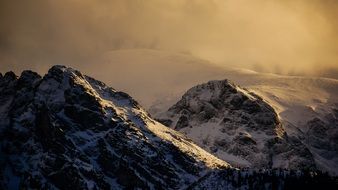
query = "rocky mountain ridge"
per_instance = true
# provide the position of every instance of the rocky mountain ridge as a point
(241, 128)
(68, 131)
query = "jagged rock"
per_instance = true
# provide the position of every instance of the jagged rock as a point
(237, 126)
(28, 79)
(323, 135)
(182, 122)
(10, 76)
(69, 131)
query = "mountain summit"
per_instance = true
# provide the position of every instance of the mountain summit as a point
(238, 126)
(66, 130)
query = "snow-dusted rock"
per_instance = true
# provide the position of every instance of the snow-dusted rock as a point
(238, 126)
(69, 131)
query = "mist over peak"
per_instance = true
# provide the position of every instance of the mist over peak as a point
(272, 36)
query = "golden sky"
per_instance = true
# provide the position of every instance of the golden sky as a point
(281, 36)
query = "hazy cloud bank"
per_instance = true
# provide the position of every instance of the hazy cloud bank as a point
(289, 37)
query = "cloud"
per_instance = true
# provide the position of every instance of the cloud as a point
(286, 37)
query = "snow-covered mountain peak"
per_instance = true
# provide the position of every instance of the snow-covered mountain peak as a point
(67, 130)
(214, 99)
(236, 125)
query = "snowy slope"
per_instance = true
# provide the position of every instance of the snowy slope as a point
(307, 108)
(219, 115)
(296, 99)
(70, 131)
(237, 126)
(166, 76)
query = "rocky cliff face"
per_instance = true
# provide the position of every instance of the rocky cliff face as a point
(321, 137)
(238, 126)
(66, 130)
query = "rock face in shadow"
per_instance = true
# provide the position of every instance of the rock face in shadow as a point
(66, 130)
(322, 137)
(238, 126)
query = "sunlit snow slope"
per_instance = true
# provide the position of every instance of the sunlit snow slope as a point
(306, 106)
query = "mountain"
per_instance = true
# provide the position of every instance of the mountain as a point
(238, 126)
(306, 106)
(66, 130)
(168, 75)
